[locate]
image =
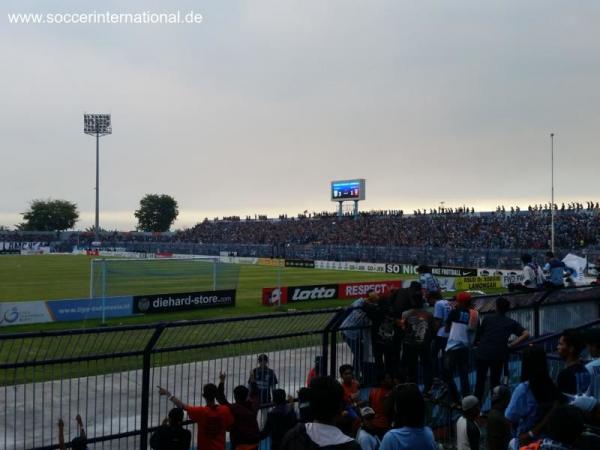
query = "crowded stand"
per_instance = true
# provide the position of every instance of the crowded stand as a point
(422, 344)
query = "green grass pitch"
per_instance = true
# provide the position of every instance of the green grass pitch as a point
(47, 277)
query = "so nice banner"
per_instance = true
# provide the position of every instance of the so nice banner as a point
(292, 294)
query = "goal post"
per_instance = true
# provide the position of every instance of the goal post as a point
(138, 276)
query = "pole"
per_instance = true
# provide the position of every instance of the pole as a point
(97, 223)
(552, 193)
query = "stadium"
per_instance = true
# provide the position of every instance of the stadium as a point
(279, 225)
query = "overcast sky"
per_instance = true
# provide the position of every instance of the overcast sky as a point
(265, 102)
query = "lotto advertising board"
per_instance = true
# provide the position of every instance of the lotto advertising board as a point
(183, 301)
(347, 291)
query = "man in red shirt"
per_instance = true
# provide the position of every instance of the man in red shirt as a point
(213, 420)
(349, 383)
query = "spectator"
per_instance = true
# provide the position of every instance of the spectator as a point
(533, 276)
(383, 332)
(492, 345)
(326, 402)
(280, 420)
(574, 378)
(418, 326)
(565, 426)
(304, 410)
(244, 432)
(590, 408)
(265, 379)
(349, 384)
(171, 435)
(533, 398)
(409, 430)
(441, 310)
(498, 427)
(431, 286)
(460, 325)
(315, 371)
(556, 271)
(378, 397)
(213, 420)
(358, 338)
(468, 433)
(592, 338)
(79, 442)
(367, 437)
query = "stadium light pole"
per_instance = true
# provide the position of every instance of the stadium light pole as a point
(552, 192)
(97, 125)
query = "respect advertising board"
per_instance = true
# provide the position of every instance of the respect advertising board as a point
(183, 301)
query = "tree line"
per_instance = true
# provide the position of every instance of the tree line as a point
(156, 213)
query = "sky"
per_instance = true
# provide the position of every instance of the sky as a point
(258, 107)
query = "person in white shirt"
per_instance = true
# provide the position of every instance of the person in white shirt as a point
(533, 276)
(468, 433)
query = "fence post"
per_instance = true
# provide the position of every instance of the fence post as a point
(325, 344)
(145, 403)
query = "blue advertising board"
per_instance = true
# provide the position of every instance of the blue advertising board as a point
(86, 308)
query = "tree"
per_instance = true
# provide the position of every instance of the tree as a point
(49, 215)
(156, 213)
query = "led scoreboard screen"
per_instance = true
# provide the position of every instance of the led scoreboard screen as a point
(348, 190)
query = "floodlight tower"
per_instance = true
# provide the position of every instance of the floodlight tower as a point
(552, 192)
(97, 125)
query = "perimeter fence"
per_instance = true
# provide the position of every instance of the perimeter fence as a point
(109, 375)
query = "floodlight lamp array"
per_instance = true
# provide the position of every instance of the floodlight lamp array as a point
(97, 124)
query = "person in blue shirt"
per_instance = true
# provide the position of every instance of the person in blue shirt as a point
(556, 270)
(410, 431)
(533, 398)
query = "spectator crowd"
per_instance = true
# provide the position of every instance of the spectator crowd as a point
(421, 345)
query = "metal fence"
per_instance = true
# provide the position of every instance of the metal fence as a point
(109, 375)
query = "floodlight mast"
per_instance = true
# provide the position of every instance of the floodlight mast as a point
(97, 125)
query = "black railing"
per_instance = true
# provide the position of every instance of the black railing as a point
(108, 375)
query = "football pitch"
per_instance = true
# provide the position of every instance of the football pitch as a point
(48, 277)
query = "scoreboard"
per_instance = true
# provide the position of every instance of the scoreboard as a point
(348, 190)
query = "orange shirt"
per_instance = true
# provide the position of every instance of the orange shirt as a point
(213, 422)
(349, 390)
(377, 399)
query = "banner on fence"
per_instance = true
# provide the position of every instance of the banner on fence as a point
(20, 313)
(303, 263)
(350, 265)
(508, 276)
(274, 296)
(272, 262)
(468, 283)
(89, 308)
(360, 289)
(160, 303)
(438, 271)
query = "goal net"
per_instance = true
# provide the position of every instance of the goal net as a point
(115, 276)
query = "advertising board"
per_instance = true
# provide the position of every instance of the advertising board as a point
(183, 301)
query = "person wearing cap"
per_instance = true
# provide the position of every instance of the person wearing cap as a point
(366, 435)
(498, 426)
(265, 379)
(592, 339)
(460, 325)
(468, 433)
